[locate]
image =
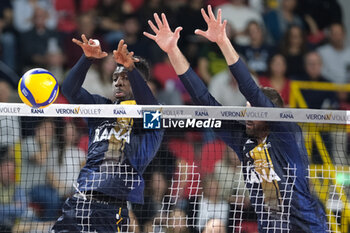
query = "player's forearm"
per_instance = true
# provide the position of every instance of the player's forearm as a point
(229, 52)
(197, 89)
(75, 79)
(247, 85)
(140, 89)
(178, 61)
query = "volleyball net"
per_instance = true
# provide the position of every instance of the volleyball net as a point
(207, 174)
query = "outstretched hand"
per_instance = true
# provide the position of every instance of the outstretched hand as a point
(124, 57)
(216, 31)
(164, 37)
(90, 48)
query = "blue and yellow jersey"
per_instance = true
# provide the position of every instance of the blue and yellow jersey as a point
(119, 149)
(276, 170)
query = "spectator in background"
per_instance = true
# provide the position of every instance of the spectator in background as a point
(148, 9)
(293, 48)
(212, 204)
(68, 11)
(86, 24)
(67, 162)
(223, 86)
(37, 151)
(277, 77)
(215, 225)
(98, 78)
(228, 173)
(154, 202)
(177, 222)
(190, 18)
(316, 99)
(40, 43)
(133, 37)
(230, 177)
(324, 13)
(12, 198)
(258, 52)
(110, 14)
(24, 11)
(238, 15)
(168, 95)
(278, 21)
(336, 55)
(8, 40)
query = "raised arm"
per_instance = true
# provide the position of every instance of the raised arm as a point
(167, 41)
(142, 93)
(71, 87)
(216, 33)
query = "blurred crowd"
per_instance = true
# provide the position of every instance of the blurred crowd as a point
(280, 41)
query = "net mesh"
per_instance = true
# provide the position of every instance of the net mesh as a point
(195, 182)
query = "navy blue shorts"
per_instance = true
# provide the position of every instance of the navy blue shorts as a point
(89, 215)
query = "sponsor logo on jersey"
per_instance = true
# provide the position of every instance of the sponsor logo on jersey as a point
(106, 133)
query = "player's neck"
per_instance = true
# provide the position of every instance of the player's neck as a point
(261, 138)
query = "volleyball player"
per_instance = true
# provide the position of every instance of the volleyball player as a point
(273, 156)
(119, 150)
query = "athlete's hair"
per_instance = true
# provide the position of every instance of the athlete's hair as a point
(143, 67)
(273, 95)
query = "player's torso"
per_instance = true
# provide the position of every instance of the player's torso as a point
(263, 175)
(110, 139)
(275, 184)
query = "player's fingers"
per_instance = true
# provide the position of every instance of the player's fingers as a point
(177, 31)
(131, 54)
(219, 15)
(159, 23)
(165, 21)
(125, 49)
(85, 40)
(224, 24)
(78, 42)
(211, 14)
(199, 32)
(152, 37)
(154, 28)
(115, 53)
(205, 16)
(136, 59)
(120, 45)
(104, 54)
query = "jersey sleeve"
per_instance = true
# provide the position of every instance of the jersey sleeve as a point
(72, 85)
(197, 90)
(257, 98)
(230, 131)
(248, 87)
(142, 93)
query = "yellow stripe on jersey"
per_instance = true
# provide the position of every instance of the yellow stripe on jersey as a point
(266, 175)
(123, 130)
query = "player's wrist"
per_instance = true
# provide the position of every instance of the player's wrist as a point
(130, 67)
